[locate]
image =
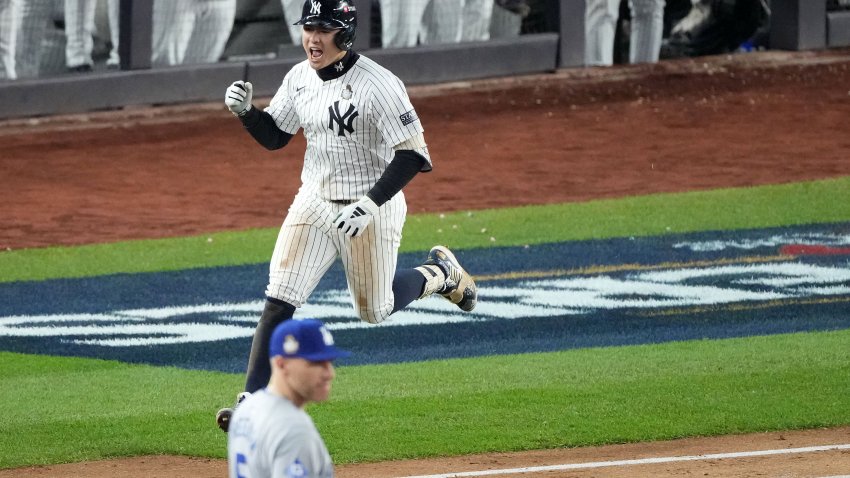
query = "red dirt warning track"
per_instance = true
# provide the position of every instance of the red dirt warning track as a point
(572, 136)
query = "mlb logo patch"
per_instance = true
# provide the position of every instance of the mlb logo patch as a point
(296, 470)
(408, 118)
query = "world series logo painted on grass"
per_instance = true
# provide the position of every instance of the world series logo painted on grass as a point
(718, 292)
(563, 294)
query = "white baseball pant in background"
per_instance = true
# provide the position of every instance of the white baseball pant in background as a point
(477, 15)
(191, 31)
(647, 27)
(291, 14)
(10, 11)
(79, 32)
(441, 22)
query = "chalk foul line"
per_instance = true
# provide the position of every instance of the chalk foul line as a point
(641, 461)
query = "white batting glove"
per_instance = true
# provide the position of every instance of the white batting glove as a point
(238, 97)
(354, 218)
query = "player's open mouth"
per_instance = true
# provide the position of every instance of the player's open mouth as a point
(315, 53)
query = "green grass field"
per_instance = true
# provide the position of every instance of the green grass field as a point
(71, 409)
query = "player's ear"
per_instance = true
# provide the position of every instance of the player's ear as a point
(278, 362)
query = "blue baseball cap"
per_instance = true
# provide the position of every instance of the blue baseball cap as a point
(308, 339)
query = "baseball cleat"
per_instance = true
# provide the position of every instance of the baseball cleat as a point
(459, 287)
(222, 417)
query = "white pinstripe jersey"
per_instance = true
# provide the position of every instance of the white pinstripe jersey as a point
(351, 124)
(271, 438)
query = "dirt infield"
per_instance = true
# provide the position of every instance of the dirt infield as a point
(574, 135)
(571, 136)
(598, 461)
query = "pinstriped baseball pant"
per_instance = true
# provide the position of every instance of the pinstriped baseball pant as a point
(647, 27)
(308, 245)
(79, 28)
(291, 14)
(190, 31)
(10, 10)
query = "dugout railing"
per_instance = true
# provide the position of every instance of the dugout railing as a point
(556, 42)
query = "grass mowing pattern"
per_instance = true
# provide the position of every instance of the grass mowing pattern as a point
(83, 409)
(73, 409)
(588, 397)
(725, 209)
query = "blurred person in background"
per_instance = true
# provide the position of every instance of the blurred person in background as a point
(190, 31)
(37, 18)
(10, 11)
(478, 22)
(400, 22)
(713, 27)
(291, 14)
(647, 27)
(509, 15)
(441, 22)
(79, 35)
(475, 25)
(113, 12)
(406, 23)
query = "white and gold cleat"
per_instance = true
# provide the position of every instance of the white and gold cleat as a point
(459, 287)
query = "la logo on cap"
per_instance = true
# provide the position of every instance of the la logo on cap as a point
(290, 345)
(326, 336)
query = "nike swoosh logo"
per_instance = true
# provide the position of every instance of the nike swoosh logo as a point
(299, 89)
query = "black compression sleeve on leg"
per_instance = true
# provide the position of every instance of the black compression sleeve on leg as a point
(408, 285)
(263, 128)
(259, 369)
(400, 171)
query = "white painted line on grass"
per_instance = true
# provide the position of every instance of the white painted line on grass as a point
(642, 461)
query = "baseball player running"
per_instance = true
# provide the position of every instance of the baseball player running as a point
(364, 144)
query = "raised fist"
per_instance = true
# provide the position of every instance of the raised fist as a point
(238, 97)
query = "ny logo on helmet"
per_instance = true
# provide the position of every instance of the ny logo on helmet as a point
(316, 7)
(343, 121)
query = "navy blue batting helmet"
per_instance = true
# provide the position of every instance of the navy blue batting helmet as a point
(334, 15)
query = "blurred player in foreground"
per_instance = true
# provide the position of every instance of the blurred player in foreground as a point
(272, 435)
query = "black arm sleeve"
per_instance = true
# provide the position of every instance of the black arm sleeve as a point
(404, 166)
(262, 127)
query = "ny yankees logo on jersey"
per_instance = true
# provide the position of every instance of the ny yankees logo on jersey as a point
(349, 111)
(343, 121)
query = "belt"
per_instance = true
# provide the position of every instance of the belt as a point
(344, 202)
